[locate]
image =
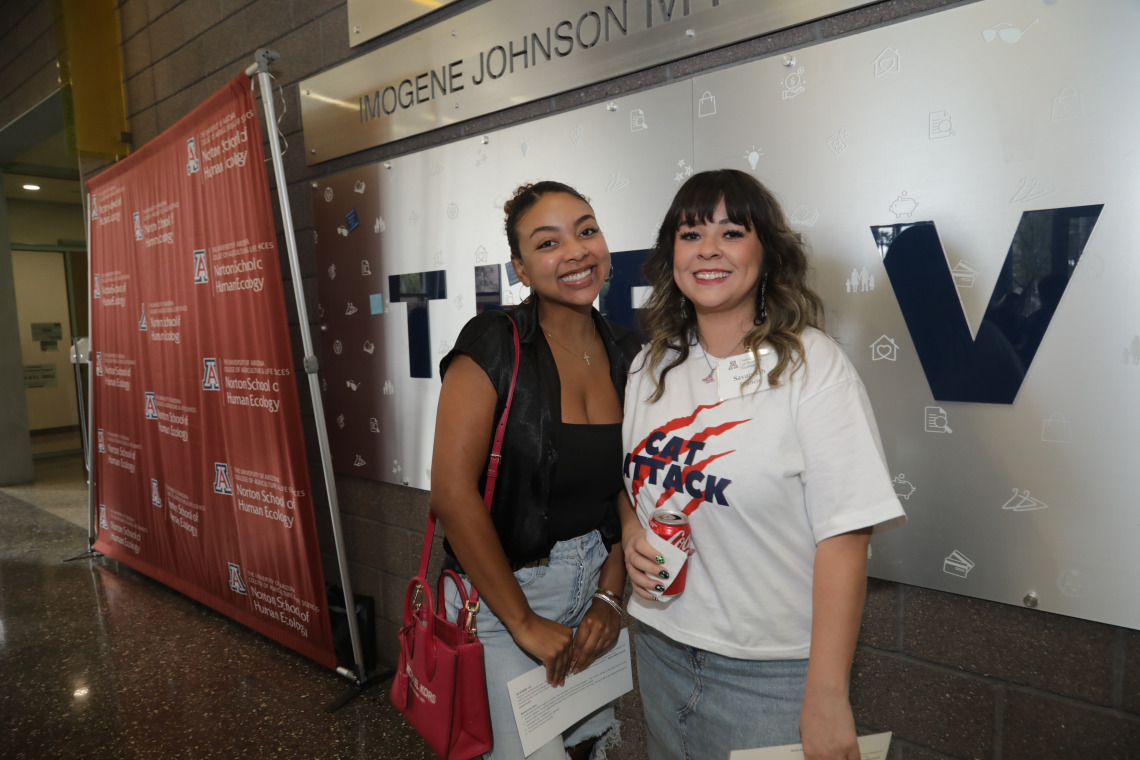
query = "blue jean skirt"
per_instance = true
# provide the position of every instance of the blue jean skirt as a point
(700, 705)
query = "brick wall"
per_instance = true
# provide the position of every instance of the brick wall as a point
(28, 71)
(956, 677)
(953, 677)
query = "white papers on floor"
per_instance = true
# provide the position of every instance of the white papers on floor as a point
(543, 711)
(871, 747)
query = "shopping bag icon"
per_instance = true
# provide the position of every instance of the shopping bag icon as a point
(1056, 429)
(1067, 105)
(706, 106)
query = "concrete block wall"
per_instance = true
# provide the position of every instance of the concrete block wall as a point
(28, 72)
(954, 678)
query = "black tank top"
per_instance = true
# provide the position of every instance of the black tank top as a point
(587, 479)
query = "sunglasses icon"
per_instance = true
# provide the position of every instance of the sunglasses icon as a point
(1006, 31)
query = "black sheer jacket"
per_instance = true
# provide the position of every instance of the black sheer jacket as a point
(530, 445)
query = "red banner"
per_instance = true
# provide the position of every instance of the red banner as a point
(201, 476)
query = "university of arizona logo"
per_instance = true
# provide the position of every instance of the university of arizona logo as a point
(138, 226)
(222, 483)
(210, 375)
(237, 585)
(103, 517)
(201, 273)
(142, 319)
(151, 406)
(98, 293)
(98, 364)
(155, 498)
(94, 207)
(191, 158)
(102, 446)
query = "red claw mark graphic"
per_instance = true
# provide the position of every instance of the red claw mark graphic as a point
(679, 453)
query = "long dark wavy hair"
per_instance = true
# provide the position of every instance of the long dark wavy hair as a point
(791, 305)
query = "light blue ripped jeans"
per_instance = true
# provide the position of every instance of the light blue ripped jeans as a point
(561, 591)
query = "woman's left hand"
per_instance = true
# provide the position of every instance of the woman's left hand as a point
(596, 634)
(827, 728)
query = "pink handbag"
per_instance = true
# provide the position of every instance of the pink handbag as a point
(440, 685)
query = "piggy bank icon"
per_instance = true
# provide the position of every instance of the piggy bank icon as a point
(902, 206)
(903, 487)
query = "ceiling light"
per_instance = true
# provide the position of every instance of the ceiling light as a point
(31, 187)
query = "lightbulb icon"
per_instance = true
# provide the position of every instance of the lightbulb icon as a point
(753, 156)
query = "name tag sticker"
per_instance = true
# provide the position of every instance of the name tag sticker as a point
(733, 372)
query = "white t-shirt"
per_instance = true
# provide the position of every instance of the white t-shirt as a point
(765, 474)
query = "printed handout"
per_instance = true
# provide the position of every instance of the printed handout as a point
(543, 711)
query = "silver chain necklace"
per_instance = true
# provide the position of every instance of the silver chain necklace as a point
(712, 369)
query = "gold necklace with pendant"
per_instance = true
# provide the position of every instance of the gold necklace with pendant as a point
(584, 354)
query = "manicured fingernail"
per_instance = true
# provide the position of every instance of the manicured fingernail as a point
(660, 559)
(663, 574)
(658, 588)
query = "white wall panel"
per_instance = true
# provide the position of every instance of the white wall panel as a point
(935, 120)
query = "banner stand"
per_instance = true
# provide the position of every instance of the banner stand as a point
(92, 513)
(81, 354)
(263, 57)
(78, 357)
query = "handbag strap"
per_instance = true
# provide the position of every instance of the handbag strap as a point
(493, 460)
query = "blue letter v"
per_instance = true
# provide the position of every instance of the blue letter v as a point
(990, 367)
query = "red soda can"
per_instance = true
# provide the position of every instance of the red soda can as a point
(673, 526)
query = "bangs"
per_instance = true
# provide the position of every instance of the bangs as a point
(697, 200)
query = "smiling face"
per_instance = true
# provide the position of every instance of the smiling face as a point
(717, 265)
(562, 252)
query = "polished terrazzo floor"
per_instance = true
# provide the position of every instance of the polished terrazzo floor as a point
(99, 662)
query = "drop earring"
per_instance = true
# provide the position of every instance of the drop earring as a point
(684, 311)
(610, 276)
(762, 317)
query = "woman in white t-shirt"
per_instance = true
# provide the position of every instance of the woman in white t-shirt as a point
(743, 414)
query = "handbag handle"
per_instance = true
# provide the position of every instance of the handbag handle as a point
(493, 462)
(420, 607)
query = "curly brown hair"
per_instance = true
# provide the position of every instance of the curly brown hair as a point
(790, 304)
(524, 198)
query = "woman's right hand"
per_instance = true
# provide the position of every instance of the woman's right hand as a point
(640, 561)
(640, 557)
(550, 642)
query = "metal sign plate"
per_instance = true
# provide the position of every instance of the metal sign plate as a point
(509, 52)
(368, 19)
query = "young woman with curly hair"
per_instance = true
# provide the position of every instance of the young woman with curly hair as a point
(546, 559)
